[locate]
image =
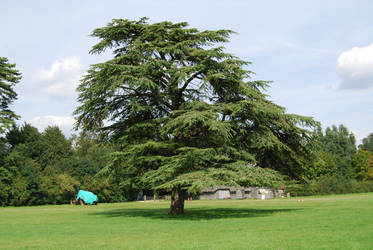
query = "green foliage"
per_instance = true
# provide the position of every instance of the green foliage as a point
(26, 139)
(184, 113)
(34, 156)
(56, 149)
(6, 181)
(29, 170)
(67, 186)
(323, 164)
(4, 150)
(49, 186)
(367, 143)
(9, 76)
(363, 162)
(335, 184)
(45, 168)
(339, 141)
(339, 147)
(13, 187)
(91, 157)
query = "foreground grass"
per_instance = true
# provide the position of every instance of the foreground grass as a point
(329, 222)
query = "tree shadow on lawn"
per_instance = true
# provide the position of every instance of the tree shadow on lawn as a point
(195, 213)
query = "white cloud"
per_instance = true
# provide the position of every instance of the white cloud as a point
(65, 123)
(355, 68)
(62, 89)
(67, 65)
(61, 79)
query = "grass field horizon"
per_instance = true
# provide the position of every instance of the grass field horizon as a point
(332, 222)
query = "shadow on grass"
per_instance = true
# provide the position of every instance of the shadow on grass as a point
(195, 213)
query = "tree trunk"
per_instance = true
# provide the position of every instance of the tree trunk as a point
(177, 201)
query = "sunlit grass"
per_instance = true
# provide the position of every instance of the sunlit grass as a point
(329, 222)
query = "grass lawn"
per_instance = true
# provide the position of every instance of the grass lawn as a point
(328, 222)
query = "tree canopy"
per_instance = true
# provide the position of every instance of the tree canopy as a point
(185, 113)
(367, 143)
(44, 168)
(9, 76)
(340, 143)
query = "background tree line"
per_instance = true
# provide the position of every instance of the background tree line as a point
(46, 167)
(338, 165)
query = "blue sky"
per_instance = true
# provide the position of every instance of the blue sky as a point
(319, 54)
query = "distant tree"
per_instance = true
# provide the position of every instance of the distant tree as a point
(49, 185)
(38, 162)
(184, 113)
(29, 137)
(9, 76)
(13, 187)
(57, 150)
(29, 170)
(339, 140)
(91, 156)
(67, 185)
(341, 143)
(367, 143)
(6, 181)
(363, 162)
(323, 164)
(20, 169)
(4, 150)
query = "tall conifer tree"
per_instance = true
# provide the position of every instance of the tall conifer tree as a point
(185, 113)
(9, 76)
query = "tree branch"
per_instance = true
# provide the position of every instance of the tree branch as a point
(189, 80)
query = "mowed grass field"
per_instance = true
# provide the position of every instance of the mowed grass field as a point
(327, 222)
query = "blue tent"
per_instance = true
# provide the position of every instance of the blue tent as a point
(87, 197)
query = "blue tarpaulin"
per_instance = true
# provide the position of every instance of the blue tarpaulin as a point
(87, 197)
